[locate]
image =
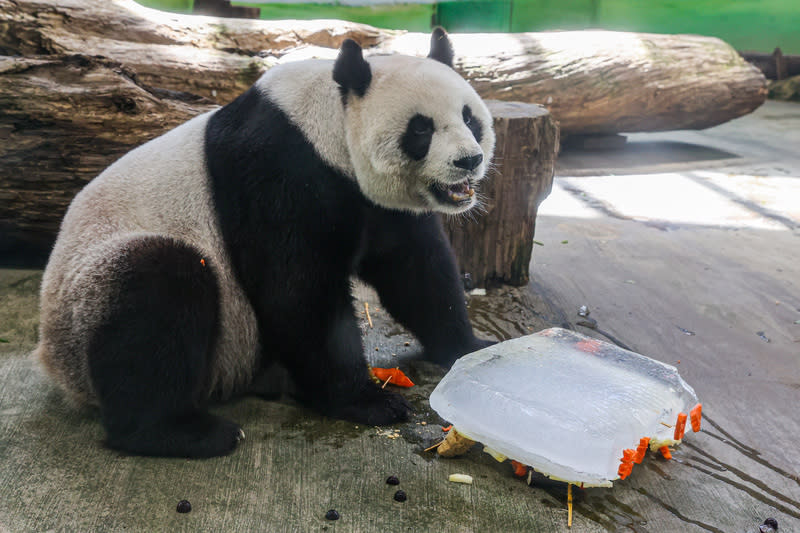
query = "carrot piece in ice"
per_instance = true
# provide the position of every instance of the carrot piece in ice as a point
(680, 426)
(696, 414)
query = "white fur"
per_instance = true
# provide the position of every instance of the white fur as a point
(363, 140)
(306, 92)
(159, 188)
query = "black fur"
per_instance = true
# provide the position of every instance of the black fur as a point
(293, 227)
(351, 71)
(472, 123)
(409, 261)
(296, 230)
(441, 48)
(149, 357)
(416, 140)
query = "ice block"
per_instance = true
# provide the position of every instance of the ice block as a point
(565, 404)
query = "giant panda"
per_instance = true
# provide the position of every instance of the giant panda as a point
(199, 259)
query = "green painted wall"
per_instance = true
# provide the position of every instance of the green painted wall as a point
(176, 6)
(412, 17)
(757, 25)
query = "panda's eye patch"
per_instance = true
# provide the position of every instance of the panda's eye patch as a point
(472, 123)
(421, 125)
(417, 138)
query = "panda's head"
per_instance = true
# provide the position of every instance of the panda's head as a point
(420, 138)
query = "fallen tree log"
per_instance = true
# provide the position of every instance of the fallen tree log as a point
(606, 82)
(83, 81)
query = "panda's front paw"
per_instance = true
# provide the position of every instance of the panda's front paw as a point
(375, 407)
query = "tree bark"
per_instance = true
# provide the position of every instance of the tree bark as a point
(84, 81)
(609, 82)
(495, 247)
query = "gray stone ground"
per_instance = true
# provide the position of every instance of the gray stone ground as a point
(677, 232)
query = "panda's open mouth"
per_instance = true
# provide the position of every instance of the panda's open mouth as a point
(453, 194)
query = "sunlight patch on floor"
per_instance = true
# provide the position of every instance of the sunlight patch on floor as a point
(695, 198)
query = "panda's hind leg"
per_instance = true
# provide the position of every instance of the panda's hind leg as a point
(151, 354)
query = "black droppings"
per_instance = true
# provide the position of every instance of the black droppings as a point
(392, 480)
(332, 514)
(770, 525)
(184, 506)
(400, 496)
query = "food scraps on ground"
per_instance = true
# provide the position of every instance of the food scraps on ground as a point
(454, 444)
(460, 478)
(332, 514)
(395, 375)
(391, 433)
(184, 506)
(392, 480)
(400, 496)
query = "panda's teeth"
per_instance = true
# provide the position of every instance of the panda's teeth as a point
(460, 192)
(455, 193)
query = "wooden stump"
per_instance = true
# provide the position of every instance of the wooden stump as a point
(496, 248)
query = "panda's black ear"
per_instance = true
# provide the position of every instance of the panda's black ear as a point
(351, 71)
(441, 48)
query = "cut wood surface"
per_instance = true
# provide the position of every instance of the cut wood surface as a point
(495, 246)
(84, 81)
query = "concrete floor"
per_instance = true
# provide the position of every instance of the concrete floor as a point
(677, 233)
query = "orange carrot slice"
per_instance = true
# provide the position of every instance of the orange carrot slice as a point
(626, 466)
(520, 470)
(696, 414)
(665, 452)
(680, 426)
(397, 375)
(641, 450)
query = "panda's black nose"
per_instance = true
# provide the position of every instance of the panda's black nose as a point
(470, 162)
